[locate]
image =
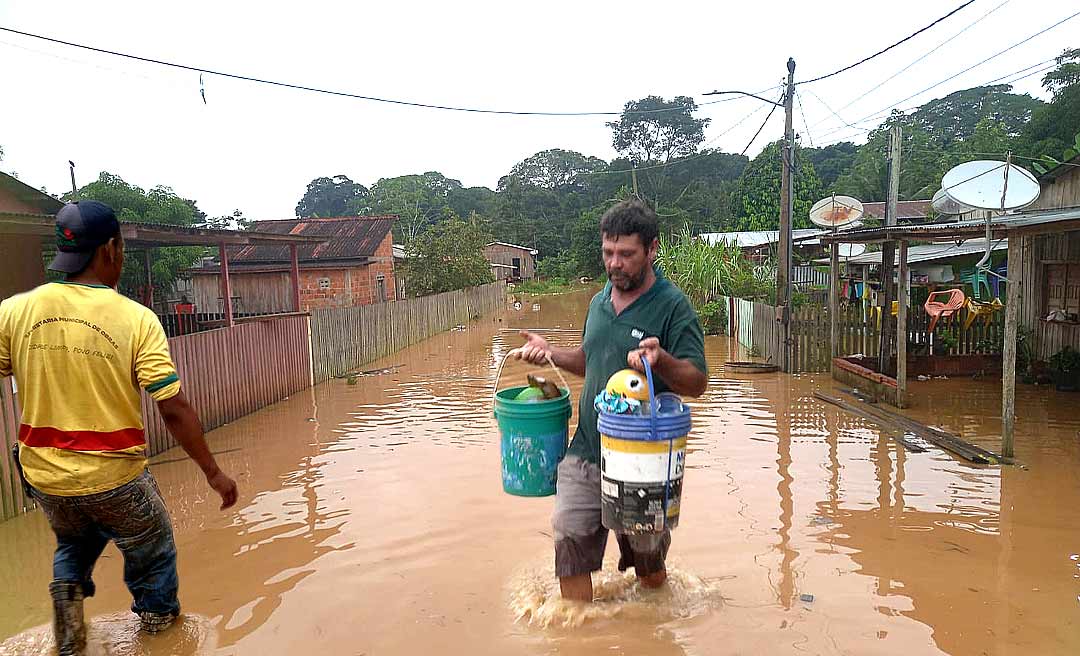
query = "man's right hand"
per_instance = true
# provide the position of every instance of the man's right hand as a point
(536, 349)
(225, 487)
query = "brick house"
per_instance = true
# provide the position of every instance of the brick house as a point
(355, 266)
(510, 262)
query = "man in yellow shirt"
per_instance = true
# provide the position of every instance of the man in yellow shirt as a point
(79, 352)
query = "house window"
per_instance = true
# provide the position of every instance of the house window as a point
(380, 286)
(1062, 288)
(324, 283)
(517, 267)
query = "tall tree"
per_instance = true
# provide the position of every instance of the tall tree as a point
(336, 196)
(447, 256)
(159, 205)
(652, 132)
(755, 200)
(553, 169)
(418, 200)
(1054, 127)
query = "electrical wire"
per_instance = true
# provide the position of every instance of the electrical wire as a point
(691, 157)
(885, 50)
(802, 112)
(754, 138)
(879, 85)
(878, 115)
(331, 92)
(973, 66)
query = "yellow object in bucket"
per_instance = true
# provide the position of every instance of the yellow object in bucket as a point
(630, 384)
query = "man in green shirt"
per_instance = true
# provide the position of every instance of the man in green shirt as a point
(639, 314)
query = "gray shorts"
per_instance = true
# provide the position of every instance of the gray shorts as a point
(580, 537)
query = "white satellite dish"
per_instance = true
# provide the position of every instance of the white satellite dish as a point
(836, 211)
(943, 203)
(852, 250)
(982, 183)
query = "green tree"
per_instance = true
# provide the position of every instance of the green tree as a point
(755, 200)
(159, 205)
(447, 256)
(336, 196)
(831, 161)
(652, 132)
(922, 164)
(234, 221)
(953, 118)
(553, 169)
(1053, 127)
(419, 201)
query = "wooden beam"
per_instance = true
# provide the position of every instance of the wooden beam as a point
(834, 300)
(149, 278)
(1017, 257)
(226, 286)
(294, 273)
(902, 293)
(867, 315)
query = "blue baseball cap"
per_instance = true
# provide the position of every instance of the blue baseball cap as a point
(81, 227)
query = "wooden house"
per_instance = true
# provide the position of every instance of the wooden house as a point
(21, 264)
(510, 262)
(353, 266)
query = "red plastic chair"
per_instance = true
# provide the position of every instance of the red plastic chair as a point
(954, 300)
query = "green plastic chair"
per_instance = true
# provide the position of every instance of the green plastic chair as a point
(978, 281)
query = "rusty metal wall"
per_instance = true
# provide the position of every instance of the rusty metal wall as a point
(232, 372)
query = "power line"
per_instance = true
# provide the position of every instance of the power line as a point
(691, 157)
(754, 138)
(885, 50)
(331, 92)
(806, 125)
(882, 113)
(879, 85)
(973, 66)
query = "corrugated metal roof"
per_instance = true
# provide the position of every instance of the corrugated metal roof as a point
(1000, 226)
(36, 198)
(531, 251)
(756, 238)
(933, 252)
(347, 238)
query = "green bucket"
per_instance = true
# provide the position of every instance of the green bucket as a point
(534, 436)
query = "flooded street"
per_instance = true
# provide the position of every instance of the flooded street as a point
(372, 521)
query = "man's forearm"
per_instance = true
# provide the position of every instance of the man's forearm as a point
(570, 359)
(682, 376)
(183, 422)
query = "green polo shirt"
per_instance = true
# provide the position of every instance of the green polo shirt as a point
(664, 312)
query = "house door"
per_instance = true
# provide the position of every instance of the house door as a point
(380, 288)
(517, 267)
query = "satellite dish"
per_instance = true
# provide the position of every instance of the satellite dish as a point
(852, 250)
(980, 185)
(943, 203)
(836, 211)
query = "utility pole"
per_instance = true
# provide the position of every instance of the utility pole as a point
(633, 177)
(783, 269)
(71, 167)
(888, 255)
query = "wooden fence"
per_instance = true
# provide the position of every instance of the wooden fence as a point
(12, 499)
(756, 328)
(343, 339)
(858, 331)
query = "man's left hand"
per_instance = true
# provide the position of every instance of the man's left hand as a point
(649, 349)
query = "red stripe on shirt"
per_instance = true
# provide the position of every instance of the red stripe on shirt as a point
(82, 440)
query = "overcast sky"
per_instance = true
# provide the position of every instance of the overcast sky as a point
(255, 148)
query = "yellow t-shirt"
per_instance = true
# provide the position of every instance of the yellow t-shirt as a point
(79, 354)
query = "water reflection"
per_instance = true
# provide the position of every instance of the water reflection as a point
(373, 522)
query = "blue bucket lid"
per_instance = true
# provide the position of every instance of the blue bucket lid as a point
(651, 427)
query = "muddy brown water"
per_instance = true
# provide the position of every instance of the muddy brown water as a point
(372, 522)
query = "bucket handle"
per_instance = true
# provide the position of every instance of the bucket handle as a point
(511, 352)
(654, 433)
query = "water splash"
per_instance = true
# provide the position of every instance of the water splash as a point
(535, 598)
(118, 634)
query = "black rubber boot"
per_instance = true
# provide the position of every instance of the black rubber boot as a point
(68, 626)
(156, 622)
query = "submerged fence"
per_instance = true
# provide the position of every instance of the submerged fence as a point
(343, 339)
(12, 499)
(858, 332)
